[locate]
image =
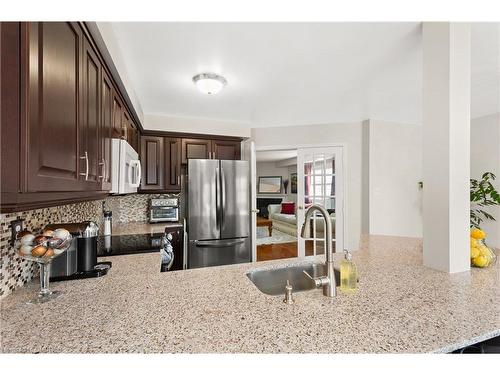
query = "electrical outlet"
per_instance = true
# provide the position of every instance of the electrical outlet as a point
(16, 226)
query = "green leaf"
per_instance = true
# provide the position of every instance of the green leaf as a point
(483, 194)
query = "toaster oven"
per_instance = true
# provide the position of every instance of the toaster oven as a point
(163, 210)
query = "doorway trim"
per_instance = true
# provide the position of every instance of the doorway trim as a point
(344, 146)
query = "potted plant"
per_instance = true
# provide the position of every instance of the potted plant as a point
(482, 195)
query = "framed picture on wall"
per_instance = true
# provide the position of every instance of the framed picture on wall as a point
(293, 183)
(269, 185)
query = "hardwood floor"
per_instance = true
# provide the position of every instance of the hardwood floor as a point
(280, 251)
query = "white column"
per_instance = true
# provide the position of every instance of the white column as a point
(446, 145)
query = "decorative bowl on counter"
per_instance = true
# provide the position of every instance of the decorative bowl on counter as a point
(480, 254)
(42, 249)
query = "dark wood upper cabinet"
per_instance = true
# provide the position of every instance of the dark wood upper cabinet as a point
(126, 125)
(210, 149)
(226, 150)
(172, 164)
(52, 65)
(130, 133)
(10, 107)
(117, 115)
(106, 129)
(133, 137)
(195, 149)
(90, 121)
(60, 107)
(152, 162)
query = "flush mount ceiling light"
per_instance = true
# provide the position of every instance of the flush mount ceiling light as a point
(209, 83)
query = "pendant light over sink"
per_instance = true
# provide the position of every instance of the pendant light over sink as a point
(209, 83)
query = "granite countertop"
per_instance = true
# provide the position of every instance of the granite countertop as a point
(142, 228)
(400, 306)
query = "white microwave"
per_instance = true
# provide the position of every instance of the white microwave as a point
(125, 168)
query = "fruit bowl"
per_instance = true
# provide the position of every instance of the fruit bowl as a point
(42, 249)
(481, 255)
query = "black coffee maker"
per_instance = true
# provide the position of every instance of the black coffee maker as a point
(80, 260)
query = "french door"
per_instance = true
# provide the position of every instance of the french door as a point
(320, 181)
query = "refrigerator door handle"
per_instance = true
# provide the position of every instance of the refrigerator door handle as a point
(219, 243)
(217, 199)
(223, 196)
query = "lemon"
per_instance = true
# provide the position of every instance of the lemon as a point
(474, 252)
(477, 234)
(484, 251)
(480, 261)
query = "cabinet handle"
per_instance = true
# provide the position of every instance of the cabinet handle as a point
(86, 174)
(178, 180)
(103, 170)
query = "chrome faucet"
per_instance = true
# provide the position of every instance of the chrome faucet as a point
(327, 282)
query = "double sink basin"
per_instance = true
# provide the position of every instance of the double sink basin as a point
(273, 281)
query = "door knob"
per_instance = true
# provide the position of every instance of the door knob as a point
(300, 207)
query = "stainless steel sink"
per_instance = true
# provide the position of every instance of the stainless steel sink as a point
(273, 281)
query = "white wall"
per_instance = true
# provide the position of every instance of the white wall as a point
(395, 168)
(291, 197)
(365, 177)
(270, 168)
(109, 37)
(196, 125)
(485, 157)
(349, 134)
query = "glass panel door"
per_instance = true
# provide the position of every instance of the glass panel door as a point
(320, 182)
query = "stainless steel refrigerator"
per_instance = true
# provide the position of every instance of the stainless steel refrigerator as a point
(218, 212)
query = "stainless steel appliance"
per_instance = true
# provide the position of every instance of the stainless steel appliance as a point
(172, 251)
(163, 210)
(80, 260)
(218, 212)
(169, 244)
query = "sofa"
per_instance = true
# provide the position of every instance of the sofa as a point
(287, 223)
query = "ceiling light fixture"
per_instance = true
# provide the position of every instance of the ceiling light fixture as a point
(209, 83)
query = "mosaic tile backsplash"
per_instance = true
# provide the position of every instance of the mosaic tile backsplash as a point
(14, 271)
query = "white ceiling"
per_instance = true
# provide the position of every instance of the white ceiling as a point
(293, 73)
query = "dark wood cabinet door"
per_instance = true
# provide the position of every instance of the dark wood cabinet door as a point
(152, 162)
(134, 137)
(52, 63)
(126, 126)
(106, 130)
(90, 119)
(172, 164)
(195, 149)
(10, 110)
(117, 115)
(131, 131)
(226, 150)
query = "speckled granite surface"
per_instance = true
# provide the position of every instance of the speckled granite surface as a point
(400, 306)
(141, 228)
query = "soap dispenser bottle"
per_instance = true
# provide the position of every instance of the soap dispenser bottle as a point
(348, 273)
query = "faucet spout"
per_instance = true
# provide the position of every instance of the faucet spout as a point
(328, 283)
